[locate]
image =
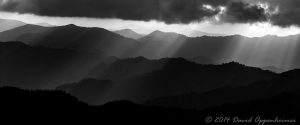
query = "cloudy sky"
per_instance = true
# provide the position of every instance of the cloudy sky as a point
(246, 17)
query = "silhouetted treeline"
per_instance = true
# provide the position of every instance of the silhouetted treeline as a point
(56, 105)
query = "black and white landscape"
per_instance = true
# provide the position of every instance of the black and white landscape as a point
(151, 59)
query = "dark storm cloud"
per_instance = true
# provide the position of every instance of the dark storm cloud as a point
(169, 11)
(241, 12)
(288, 14)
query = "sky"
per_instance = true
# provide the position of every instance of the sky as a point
(252, 18)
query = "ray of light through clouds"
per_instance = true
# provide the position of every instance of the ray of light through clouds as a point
(253, 52)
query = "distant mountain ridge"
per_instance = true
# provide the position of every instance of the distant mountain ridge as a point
(129, 34)
(159, 44)
(273, 69)
(263, 51)
(161, 34)
(6, 24)
(45, 24)
(72, 37)
(197, 33)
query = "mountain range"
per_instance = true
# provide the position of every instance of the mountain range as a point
(139, 79)
(103, 43)
(95, 40)
(134, 79)
(76, 71)
(190, 87)
(258, 51)
(134, 35)
(197, 33)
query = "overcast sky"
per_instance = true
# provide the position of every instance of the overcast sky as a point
(245, 17)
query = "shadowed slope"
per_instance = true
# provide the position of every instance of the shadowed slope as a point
(41, 67)
(6, 24)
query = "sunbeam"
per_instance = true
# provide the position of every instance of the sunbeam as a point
(267, 51)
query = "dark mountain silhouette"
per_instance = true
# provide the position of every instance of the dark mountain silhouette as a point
(179, 76)
(72, 37)
(129, 34)
(287, 82)
(36, 100)
(6, 24)
(16, 103)
(201, 60)
(41, 67)
(139, 79)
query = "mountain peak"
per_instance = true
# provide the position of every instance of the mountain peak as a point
(158, 33)
(160, 36)
(70, 25)
(129, 33)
